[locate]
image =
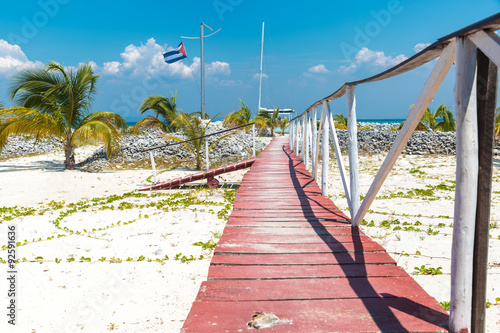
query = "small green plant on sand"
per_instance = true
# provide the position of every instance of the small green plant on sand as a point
(422, 270)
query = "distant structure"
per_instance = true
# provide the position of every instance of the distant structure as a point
(281, 114)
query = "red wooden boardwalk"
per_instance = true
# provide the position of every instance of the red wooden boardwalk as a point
(290, 251)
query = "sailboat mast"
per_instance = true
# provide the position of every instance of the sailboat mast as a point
(260, 75)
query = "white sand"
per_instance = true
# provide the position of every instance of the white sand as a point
(154, 297)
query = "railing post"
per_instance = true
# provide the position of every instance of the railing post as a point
(297, 137)
(340, 161)
(466, 186)
(206, 154)
(325, 151)
(314, 136)
(352, 143)
(487, 86)
(306, 141)
(290, 129)
(153, 164)
(253, 140)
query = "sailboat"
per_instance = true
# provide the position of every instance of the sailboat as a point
(282, 112)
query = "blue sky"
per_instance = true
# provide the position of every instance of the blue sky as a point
(311, 49)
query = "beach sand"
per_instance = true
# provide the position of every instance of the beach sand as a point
(155, 296)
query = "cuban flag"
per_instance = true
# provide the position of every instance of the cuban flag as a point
(175, 55)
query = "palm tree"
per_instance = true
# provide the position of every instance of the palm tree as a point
(165, 110)
(442, 119)
(239, 118)
(264, 120)
(191, 125)
(340, 121)
(56, 102)
(283, 124)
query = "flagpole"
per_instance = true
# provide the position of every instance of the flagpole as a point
(202, 54)
(202, 47)
(260, 75)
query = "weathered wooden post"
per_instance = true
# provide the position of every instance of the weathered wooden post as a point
(466, 186)
(206, 154)
(325, 151)
(253, 140)
(314, 136)
(338, 155)
(305, 153)
(290, 134)
(153, 165)
(297, 127)
(487, 85)
(352, 143)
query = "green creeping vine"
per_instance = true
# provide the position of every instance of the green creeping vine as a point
(169, 202)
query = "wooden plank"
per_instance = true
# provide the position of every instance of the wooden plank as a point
(319, 316)
(306, 289)
(487, 81)
(380, 258)
(303, 272)
(466, 186)
(279, 238)
(489, 43)
(298, 248)
(424, 99)
(305, 231)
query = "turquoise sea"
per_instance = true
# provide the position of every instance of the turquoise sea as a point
(379, 121)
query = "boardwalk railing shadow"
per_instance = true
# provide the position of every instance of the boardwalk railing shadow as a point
(379, 305)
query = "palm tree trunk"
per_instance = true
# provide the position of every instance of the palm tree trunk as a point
(69, 153)
(198, 160)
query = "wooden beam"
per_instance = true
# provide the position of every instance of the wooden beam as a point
(424, 99)
(320, 130)
(296, 135)
(487, 82)
(340, 161)
(325, 154)
(489, 43)
(352, 143)
(466, 187)
(314, 136)
(305, 153)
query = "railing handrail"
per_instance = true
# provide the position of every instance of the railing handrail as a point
(201, 137)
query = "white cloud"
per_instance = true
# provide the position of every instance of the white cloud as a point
(12, 58)
(148, 59)
(420, 46)
(111, 68)
(218, 67)
(318, 69)
(264, 75)
(372, 58)
(230, 83)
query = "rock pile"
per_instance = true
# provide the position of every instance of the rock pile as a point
(374, 141)
(238, 144)
(21, 145)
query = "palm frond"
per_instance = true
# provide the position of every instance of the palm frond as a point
(99, 130)
(149, 122)
(163, 108)
(20, 120)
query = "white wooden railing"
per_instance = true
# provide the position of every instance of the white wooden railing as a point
(475, 50)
